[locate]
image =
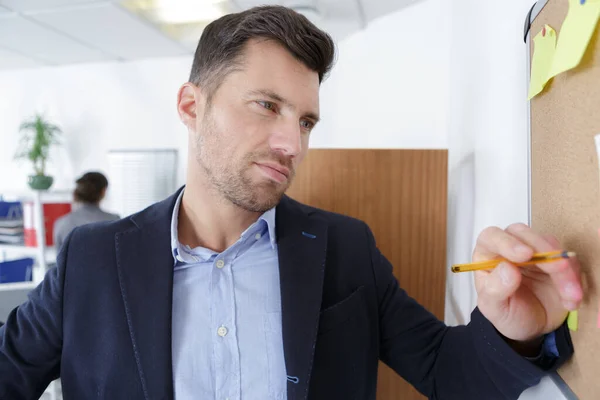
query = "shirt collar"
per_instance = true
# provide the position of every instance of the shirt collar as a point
(269, 217)
(177, 248)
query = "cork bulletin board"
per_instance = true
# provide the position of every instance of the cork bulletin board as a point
(565, 184)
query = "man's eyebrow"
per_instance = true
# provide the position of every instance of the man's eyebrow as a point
(271, 95)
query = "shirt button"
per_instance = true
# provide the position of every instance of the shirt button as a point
(257, 236)
(222, 331)
(220, 264)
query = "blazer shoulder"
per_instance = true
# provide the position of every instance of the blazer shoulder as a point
(161, 212)
(333, 219)
(98, 232)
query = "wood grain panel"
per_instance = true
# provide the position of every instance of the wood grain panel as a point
(402, 195)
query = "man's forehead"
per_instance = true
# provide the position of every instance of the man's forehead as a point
(271, 55)
(267, 68)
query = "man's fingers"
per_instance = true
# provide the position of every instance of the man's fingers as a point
(534, 240)
(496, 287)
(554, 242)
(566, 277)
(494, 242)
(564, 273)
(518, 243)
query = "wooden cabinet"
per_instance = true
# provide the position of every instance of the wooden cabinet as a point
(402, 195)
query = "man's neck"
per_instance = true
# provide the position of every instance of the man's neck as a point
(207, 220)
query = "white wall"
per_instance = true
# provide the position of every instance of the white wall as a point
(389, 88)
(99, 107)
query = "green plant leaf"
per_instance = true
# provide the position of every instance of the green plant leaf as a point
(38, 135)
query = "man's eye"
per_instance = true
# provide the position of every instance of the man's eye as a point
(267, 104)
(308, 125)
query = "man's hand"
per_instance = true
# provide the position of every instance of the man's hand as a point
(524, 303)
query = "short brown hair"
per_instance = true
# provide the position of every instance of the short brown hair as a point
(90, 187)
(222, 43)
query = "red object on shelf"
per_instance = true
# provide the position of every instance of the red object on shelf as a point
(51, 211)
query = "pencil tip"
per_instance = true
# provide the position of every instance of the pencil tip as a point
(571, 254)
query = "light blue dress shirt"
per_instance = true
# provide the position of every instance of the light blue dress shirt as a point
(227, 340)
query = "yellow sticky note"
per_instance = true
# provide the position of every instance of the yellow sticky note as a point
(544, 46)
(575, 35)
(572, 322)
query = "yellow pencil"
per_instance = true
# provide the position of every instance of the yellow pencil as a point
(537, 258)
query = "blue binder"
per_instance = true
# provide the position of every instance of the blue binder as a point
(11, 210)
(16, 270)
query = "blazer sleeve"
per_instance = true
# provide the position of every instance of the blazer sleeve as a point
(31, 338)
(447, 363)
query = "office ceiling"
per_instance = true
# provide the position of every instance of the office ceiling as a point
(37, 33)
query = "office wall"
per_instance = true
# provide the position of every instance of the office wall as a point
(389, 88)
(383, 93)
(99, 107)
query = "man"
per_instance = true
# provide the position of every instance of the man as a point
(230, 290)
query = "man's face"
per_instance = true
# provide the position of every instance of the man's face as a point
(254, 133)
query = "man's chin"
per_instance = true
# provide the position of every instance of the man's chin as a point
(261, 200)
(263, 204)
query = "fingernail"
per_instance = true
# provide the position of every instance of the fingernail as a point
(571, 291)
(504, 275)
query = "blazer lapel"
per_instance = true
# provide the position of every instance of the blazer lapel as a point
(302, 244)
(145, 268)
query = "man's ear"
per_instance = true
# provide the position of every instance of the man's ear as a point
(190, 103)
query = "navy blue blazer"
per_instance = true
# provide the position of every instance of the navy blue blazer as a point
(101, 320)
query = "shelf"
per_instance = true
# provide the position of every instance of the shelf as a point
(25, 251)
(18, 286)
(43, 256)
(33, 251)
(31, 194)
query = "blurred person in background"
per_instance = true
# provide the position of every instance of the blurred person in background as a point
(89, 191)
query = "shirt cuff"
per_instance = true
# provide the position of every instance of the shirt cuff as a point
(549, 350)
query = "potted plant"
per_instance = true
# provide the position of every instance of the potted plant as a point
(38, 135)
